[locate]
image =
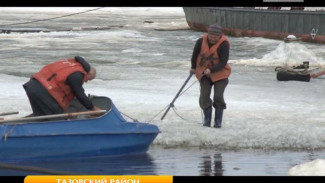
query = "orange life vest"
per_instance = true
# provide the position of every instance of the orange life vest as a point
(53, 77)
(208, 58)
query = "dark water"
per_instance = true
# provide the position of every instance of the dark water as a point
(173, 161)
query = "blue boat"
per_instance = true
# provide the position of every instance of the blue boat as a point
(74, 135)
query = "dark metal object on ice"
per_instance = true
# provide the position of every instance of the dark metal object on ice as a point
(292, 76)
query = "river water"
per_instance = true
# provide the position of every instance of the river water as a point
(142, 56)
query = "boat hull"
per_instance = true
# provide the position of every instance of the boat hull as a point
(248, 22)
(71, 146)
(107, 135)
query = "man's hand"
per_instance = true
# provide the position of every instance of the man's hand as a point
(95, 108)
(207, 72)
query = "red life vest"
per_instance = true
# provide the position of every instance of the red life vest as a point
(53, 77)
(208, 58)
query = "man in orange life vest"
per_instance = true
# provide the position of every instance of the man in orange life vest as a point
(210, 64)
(51, 90)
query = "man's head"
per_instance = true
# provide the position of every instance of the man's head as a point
(214, 33)
(91, 74)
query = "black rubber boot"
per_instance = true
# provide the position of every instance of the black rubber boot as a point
(207, 116)
(218, 118)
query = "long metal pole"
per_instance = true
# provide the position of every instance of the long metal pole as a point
(8, 113)
(172, 103)
(52, 116)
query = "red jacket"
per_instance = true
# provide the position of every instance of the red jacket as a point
(208, 58)
(53, 77)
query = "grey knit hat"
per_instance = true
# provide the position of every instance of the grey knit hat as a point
(215, 29)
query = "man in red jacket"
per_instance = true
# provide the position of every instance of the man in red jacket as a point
(51, 90)
(210, 65)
